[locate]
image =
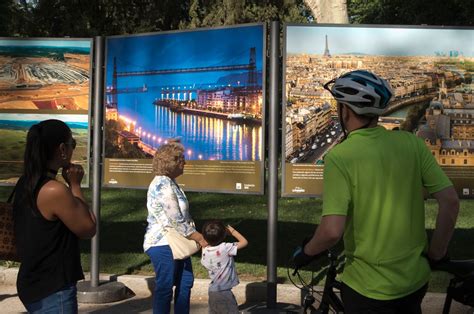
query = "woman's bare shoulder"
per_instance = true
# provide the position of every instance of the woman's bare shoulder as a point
(53, 196)
(54, 188)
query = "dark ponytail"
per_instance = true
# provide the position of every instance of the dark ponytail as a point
(42, 141)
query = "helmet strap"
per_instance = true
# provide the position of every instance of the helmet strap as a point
(341, 121)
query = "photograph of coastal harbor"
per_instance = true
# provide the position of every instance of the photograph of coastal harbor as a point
(44, 75)
(203, 87)
(13, 130)
(430, 71)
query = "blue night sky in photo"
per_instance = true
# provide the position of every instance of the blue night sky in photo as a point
(205, 138)
(379, 41)
(176, 50)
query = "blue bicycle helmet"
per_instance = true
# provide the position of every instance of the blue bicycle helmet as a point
(364, 92)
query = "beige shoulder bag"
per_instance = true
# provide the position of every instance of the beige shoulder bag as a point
(181, 246)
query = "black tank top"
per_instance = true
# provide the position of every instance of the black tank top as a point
(49, 251)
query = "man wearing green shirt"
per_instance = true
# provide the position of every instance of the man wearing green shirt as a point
(373, 195)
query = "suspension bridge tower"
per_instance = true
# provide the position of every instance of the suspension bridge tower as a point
(252, 74)
(114, 91)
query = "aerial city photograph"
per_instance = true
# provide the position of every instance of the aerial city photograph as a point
(201, 87)
(39, 80)
(430, 71)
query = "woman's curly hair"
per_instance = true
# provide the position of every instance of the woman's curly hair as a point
(167, 157)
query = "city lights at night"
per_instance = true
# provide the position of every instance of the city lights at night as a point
(209, 98)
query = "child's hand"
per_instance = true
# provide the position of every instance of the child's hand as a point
(230, 229)
(242, 241)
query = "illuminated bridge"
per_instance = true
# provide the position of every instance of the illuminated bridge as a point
(251, 67)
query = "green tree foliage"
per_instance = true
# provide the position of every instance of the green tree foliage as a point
(207, 13)
(87, 18)
(413, 12)
(115, 148)
(5, 16)
(468, 78)
(12, 17)
(414, 115)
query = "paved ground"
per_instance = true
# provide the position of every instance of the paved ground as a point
(247, 295)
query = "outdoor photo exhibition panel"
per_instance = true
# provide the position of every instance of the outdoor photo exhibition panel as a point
(43, 79)
(430, 70)
(204, 87)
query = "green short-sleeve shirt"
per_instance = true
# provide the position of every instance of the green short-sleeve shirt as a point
(376, 178)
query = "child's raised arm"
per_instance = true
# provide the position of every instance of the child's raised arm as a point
(242, 241)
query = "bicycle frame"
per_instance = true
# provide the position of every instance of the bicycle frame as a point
(330, 298)
(461, 269)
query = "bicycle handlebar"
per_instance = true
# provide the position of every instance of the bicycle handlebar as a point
(327, 253)
(458, 268)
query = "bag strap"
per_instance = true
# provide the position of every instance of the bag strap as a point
(10, 198)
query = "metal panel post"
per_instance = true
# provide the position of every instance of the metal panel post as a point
(96, 291)
(273, 167)
(97, 153)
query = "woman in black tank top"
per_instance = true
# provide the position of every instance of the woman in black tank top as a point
(49, 219)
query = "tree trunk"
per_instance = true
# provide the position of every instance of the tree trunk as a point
(329, 11)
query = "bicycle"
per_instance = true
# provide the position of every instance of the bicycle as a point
(460, 288)
(329, 297)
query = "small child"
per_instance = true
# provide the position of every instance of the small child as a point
(218, 258)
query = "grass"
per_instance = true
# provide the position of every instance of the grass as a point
(13, 145)
(123, 223)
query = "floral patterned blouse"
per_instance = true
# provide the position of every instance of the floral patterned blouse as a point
(167, 207)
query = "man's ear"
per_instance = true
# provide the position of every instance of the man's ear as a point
(346, 113)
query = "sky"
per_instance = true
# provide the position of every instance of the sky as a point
(82, 118)
(379, 41)
(188, 49)
(47, 43)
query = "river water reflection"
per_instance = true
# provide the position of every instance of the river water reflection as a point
(203, 137)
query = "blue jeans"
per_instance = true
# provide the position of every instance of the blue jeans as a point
(169, 273)
(63, 301)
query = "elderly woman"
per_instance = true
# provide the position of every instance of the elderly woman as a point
(168, 207)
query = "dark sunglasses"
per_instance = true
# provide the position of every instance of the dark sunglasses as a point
(72, 143)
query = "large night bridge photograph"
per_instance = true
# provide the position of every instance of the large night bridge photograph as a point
(203, 87)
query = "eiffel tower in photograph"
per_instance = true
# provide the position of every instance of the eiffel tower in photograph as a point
(326, 49)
